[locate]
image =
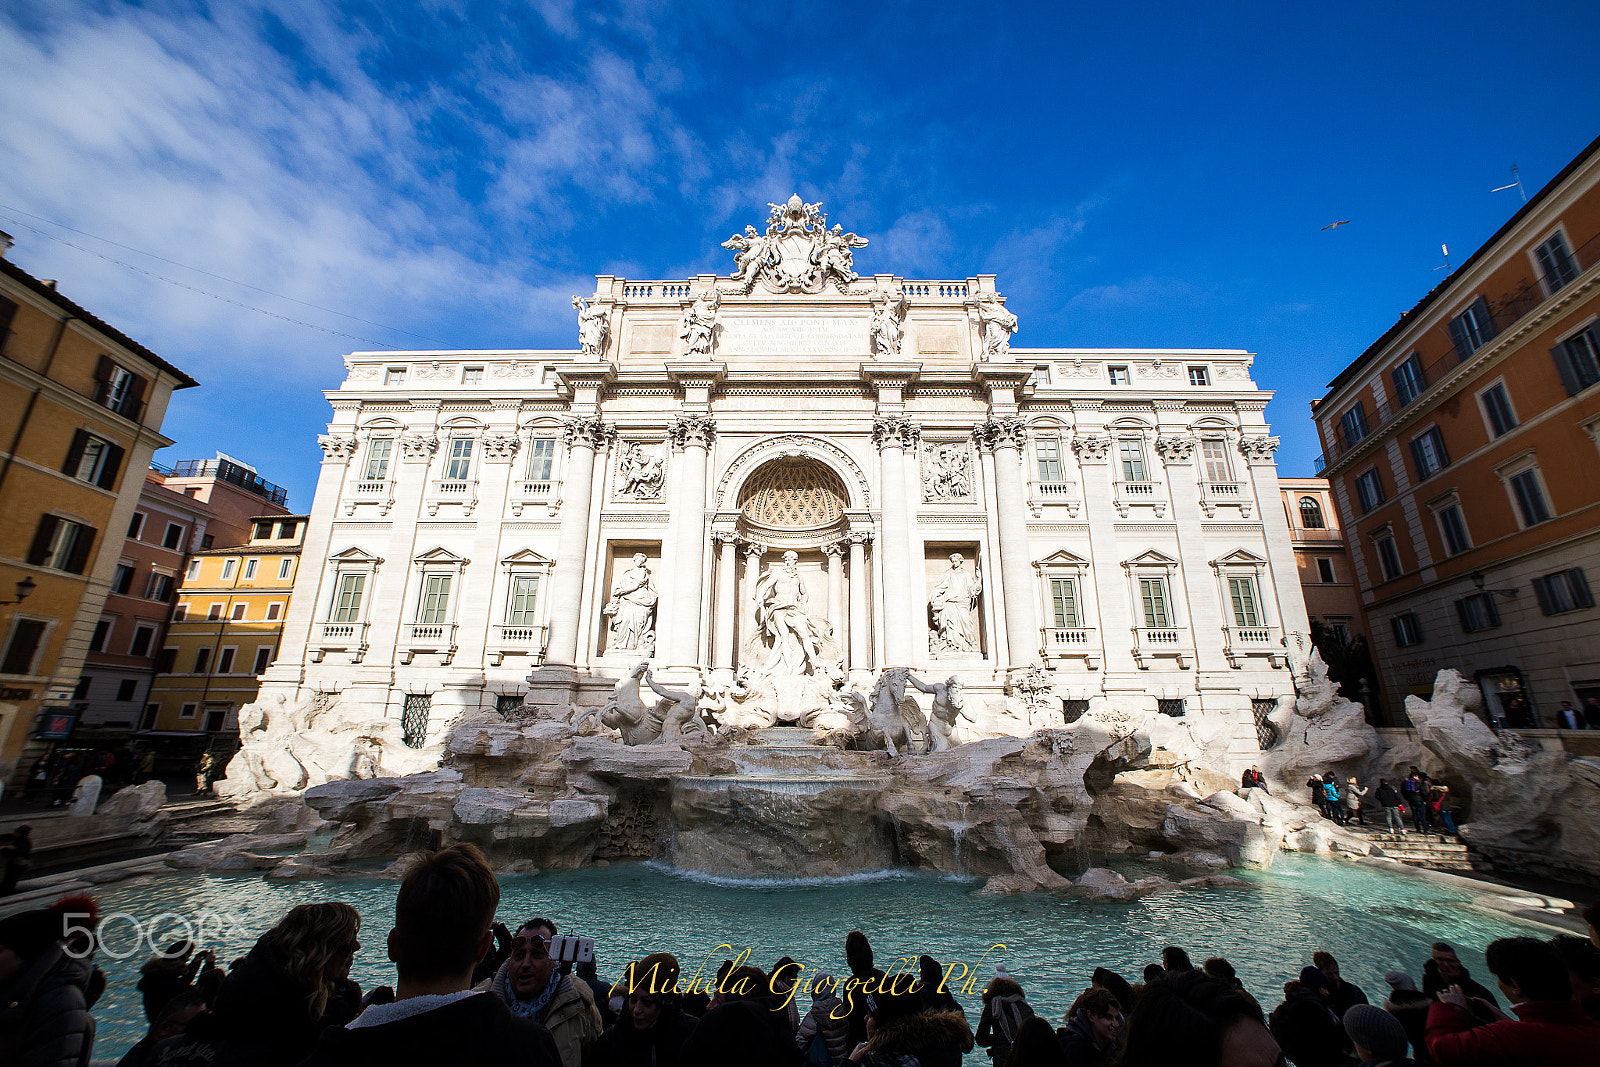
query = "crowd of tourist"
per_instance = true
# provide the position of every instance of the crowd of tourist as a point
(1345, 800)
(471, 990)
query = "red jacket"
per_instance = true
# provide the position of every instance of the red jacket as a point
(1554, 1032)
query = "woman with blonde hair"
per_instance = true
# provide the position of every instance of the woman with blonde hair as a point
(291, 986)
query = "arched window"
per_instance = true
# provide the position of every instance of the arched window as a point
(1311, 514)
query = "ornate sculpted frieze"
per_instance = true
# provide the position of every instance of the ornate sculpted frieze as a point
(798, 253)
(501, 447)
(1258, 449)
(359, 373)
(946, 471)
(335, 447)
(592, 433)
(418, 446)
(1008, 432)
(641, 471)
(434, 371)
(895, 430)
(691, 429)
(1092, 448)
(1176, 449)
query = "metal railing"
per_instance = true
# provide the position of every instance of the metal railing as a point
(234, 474)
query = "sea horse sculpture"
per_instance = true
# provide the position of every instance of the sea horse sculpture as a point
(638, 722)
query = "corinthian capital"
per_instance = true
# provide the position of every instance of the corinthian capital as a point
(1176, 449)
(1092, 448)
(501, 447)
(1258, 449)
(589, 433)
(691, 429)
(895, 431)
(419, 446)
(1008, 432)
(337, 448)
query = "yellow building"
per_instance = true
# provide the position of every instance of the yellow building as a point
(80, 416)
(225, 629)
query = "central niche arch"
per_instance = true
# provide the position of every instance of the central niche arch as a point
(791, 446)
(793, 493)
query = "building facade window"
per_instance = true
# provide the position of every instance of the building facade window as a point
(214, 613)
(1477, 612)
(433, 609)
(1453, 527)
(136, 526)
(228, 567)
(102, 630)
(122, 579)
(1472, 329)
(1214, 454)
(193, 573)
(188, 711)
(1048, 452)
(202, 660)
(1556, 265)
(414, 719)
(1117, 374)
(174, 537)
(1369, 489)
(541, 459)
(180, 613)
(263, 530)
(159, 587)
(1173, 706)
(93, 460)
(239, 611)
(1497, 410)
(1563, 591)
(1325, 569)
(1408, 379)
(23, 647)
(394, 376)
(1407, 629)
(458, 465)
(378, 452)
(274, 609)
(1388, 556)
(1578, 359)
(1064, 612)
(250, 568)
(225, 660)
(347, 598)
(471, 375)
(285, 568)
(522, 607)
(127, 688)
(1242, 598)
(118, 388)
(1311, 514)
(1130, 450)
(263, 659)
(1353, 424)
(1428, 453)
(61, 544)
(1199, 376)
(1528, 493)
(1153, 600)
(286, 530)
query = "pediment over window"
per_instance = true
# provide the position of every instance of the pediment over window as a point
(1061, 558)
(443, 556)
(1150, 558)
(1239, 557)
(526, 557)
(355, 555)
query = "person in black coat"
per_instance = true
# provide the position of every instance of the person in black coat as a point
(744, 1026)
(1342, 995)
(441, 931)
(1305, 1027)
(935, 993)
(1444, 970)
(1093, 1034)
(649, 1033)
(45, 994)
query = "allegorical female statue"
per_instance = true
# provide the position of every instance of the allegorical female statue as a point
(632, 608)
(953, 603)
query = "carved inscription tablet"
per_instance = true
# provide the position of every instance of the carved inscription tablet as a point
(793, 335)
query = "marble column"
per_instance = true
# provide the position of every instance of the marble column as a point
(727, 613)
(752, 572)
(860, 596)
(833, 556)
(1005, 436)
(584, 438)
(893, 435)
(691, 437)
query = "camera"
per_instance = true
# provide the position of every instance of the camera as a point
(568, 949)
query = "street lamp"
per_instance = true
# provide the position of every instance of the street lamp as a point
(25, 589)
(1479, 581)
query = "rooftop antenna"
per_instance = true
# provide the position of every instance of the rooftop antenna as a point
(1516, 183)
(1445, 266)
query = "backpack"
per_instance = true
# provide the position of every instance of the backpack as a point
(817, 1054)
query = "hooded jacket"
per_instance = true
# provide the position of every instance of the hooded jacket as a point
(835, 1031)
(571, 1017)
(477, 1028)
(1555, 1032)
(1307, 1030)
(741, 1031)
(624, 1045)
(1077, 1041)
(44, 1014)
(926, 1039)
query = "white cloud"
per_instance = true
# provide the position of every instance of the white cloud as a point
(1139, 292)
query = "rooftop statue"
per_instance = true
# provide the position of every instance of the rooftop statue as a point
(798, 253)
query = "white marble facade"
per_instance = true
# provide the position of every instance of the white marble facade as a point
(956, 504)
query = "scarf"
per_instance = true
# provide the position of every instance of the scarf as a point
(534, 1009)
(1008, 1015)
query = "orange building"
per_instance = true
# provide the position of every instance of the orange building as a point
(1462, 451)
(81, 406)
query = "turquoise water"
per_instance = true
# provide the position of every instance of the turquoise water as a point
(1371, 920)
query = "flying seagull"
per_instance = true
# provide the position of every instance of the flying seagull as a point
(1336, 225)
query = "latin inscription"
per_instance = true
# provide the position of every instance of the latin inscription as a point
(808, 335)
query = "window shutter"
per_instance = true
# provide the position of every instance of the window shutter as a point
(1547, 603)
(80, 549)
(1399, 630)
(1579, 584)
(80, 441)
(1564, 367)
(1480, 311)
(1464, 616)
(40, 550)
(1417, 460)
(109, 469)
(1458, 337)
(132, 399)
(1491, 612)
(8, 310)
(1401, 388)
(103, 369)
(1438, 446)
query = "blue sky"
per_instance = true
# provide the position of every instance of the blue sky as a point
(1149, 175)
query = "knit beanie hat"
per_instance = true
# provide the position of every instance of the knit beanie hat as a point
(1399, 980)
(1377, 1031)
(1313, 978)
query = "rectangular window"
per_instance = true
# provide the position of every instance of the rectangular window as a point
(1388, 557)
(20, 654)
(1048, 451)
(347, 602)
(142, 636)
(459, 465)
(160, 587)
(414, 719)
(126, 688)
(1199, 376)
(81, 690)
(61, 544)
(471, 375)
(1578, 360)
(1215, 454)
(215, 613)
(435, 599)
(1497, 408)
(394, 376)
(202, 659)
(174, 536)
(122, 579)
(541, 458)
(263, 530)
(1477, 612)
(225, 661)
(1566, 590)
(1325, 569)
(1472, 329)
(166, 660)
(378, 458)
(263, 659)
(1131, 450)
(1242, 594)
(151, 711)
(273, 610)
(239, 611)
(1153, 597)
(228, 566)
(1427, 452)
(1118, 374)
(1369, 489)
(94, 460)
(285, 568)
(188, 711)
(180, 613)
(1353, 425)
(193, 573)
(1064, 603)
(1408, 381)
(136, 526)
(1454, 529)
(286, 530)
(102, 630)
(524, 593)
(119, 389)
(1530, 498)
(1172, 706)
(1556, 263)
(1407, 629)
(250, 568)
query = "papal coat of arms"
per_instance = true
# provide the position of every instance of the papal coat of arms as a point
(797, 254)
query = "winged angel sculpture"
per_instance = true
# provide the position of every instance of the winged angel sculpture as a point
(797, 253)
